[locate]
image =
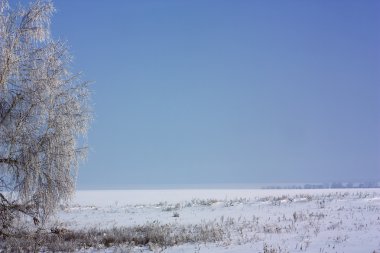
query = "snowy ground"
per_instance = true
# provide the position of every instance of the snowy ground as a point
(268, 221)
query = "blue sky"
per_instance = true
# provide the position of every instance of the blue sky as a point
(227, 92)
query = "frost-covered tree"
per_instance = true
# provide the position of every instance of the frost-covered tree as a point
(44, 114)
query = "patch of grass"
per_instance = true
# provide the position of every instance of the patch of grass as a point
(159, 235)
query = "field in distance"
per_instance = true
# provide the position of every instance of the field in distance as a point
(231, 220)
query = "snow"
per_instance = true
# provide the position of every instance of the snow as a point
(323, 220)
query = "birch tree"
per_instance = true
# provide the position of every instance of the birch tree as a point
(44, 114)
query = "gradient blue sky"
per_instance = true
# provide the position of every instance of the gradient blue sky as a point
(228, 92)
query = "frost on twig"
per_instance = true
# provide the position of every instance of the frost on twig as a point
(44, 113)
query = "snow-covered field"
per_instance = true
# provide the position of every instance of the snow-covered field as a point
(268, 221)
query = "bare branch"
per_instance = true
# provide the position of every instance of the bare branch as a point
(44, 111)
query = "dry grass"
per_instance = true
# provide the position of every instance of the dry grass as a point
(151, 234)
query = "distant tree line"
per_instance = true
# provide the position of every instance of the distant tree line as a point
(333, 185)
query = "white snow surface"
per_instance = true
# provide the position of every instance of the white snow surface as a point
(267, 221)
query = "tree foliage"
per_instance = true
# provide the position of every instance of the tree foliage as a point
(44, 113)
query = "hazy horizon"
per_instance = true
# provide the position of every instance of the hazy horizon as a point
(325, 185)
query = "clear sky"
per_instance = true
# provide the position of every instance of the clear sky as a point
(237, 92)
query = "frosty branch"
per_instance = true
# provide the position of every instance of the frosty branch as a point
(44, 113)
